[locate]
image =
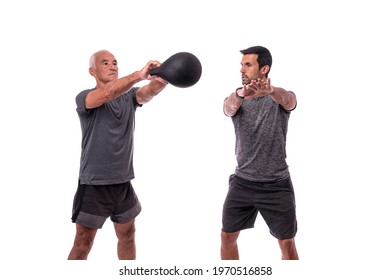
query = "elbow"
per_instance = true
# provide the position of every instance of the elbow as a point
(287, 101)
(228, 114)
(108, 95)
(228, 111)
(292, 106)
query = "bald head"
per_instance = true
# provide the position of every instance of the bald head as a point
(96, 55)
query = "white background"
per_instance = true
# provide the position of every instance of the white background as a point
(333, 54)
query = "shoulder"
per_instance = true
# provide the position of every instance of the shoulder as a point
(80, 100)
(83, 94)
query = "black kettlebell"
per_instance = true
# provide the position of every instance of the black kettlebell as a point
(182, 69)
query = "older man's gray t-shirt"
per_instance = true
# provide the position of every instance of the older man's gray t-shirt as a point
(107, 139)
(261, 128)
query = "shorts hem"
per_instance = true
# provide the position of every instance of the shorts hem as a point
(128, 215)
(285, 237)
(84, 219)
(240, 229)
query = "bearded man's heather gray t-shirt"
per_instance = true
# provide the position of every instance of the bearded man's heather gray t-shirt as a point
(261, 128)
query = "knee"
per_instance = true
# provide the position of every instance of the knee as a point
(84, 242)
(127, 236)
(287, 244)
(228, 238)
(288, 248)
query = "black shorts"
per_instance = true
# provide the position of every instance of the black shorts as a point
(93, 204)
(275, 201)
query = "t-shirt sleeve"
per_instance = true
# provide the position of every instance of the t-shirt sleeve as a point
(80, 101)
(132, 93)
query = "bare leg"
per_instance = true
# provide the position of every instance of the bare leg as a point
(126, 240)
(82, 243)
(289, 251)
(229, 248)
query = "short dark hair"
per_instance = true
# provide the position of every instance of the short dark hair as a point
(264, 56)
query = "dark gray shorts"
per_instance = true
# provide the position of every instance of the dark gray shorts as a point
(275, 201)
(93, 204)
